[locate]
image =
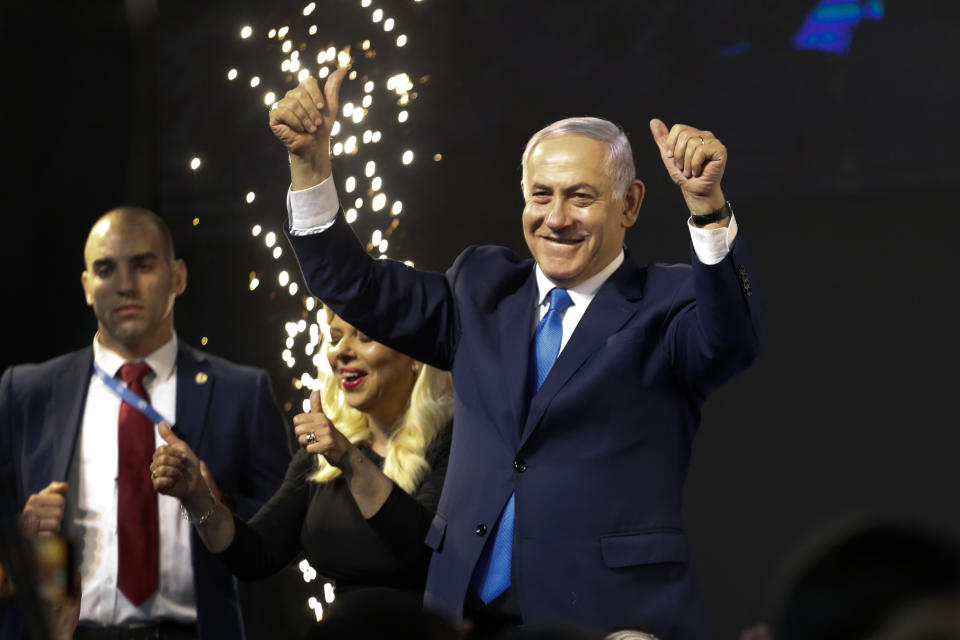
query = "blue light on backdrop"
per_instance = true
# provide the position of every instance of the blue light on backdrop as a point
(830, 26)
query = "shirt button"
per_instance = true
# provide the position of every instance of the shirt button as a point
(519, 465)
(481, 529)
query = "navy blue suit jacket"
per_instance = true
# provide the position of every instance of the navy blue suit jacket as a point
(225, 412)
(598, 459)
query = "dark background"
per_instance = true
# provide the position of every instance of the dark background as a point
(843, 172)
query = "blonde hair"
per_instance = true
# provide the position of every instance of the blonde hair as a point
(428, 414)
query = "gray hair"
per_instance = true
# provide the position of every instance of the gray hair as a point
(619, 160)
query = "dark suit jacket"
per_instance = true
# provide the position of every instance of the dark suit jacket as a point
(597, 462)
(225, 412)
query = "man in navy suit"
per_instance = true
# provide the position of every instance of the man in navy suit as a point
(65, 425)
(579, 375)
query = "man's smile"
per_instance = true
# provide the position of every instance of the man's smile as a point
(563, 241)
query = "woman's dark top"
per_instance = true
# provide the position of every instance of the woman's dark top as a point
(323, 520)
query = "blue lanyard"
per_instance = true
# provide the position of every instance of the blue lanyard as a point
(129, 396)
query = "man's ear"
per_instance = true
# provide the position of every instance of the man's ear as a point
(86, 292)
(632, 200)
(179, 276)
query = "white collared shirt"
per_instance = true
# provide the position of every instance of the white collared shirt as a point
(91, 517)
(581, 296)
(313, 210)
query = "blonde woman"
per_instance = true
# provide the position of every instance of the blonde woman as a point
(359, 496)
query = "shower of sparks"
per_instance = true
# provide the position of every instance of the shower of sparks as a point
(369, 135)
(359, 145)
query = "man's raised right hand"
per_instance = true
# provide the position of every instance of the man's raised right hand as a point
(304, 117)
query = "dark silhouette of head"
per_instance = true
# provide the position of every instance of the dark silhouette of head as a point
(872, 580)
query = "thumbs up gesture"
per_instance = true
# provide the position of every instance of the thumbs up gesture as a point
(303, 119)
(318, 435)
(695, 160)
(176, 470)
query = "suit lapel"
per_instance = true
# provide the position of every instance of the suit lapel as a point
(516, 316)
(194, 385)
(609, 311)
(67, 400)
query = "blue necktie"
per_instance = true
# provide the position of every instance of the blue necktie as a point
(492, 574)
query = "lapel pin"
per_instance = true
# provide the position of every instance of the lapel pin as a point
(201, 378)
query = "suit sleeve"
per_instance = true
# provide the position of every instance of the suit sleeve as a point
(267, 449)
(8, 474)
(717, 331)
(411, 311)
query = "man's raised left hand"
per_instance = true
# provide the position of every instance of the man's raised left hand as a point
(695, 160)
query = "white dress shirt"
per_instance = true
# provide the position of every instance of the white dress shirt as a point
(314, 210)
(91, 515)
(580, 296)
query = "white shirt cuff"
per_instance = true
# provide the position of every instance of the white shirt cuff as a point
(314, 209)
(712, 245)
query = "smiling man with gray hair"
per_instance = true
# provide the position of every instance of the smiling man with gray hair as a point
(579, 375)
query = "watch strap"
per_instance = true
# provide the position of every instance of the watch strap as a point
(702, 220)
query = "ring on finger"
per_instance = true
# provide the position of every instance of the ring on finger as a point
(153, 474)
(311, 438)
(702, 141)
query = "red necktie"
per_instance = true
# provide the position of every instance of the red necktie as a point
(137, 529)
